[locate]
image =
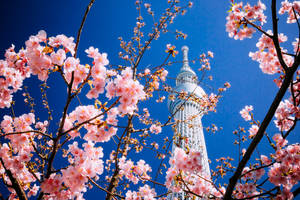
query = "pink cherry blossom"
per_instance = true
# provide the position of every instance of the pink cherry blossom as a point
(62, 40)
(130, 91)
(133, 172)
(287, 7)
(267, 56)
(58, 57)
(155, 129)
(253, 130)
(210, 54)
(245, 113)
(280, 141)
(236, 19)
(144, 192)
(70, 64)
(284, 115)
(92, 52)
(285, 172)
(265, 160)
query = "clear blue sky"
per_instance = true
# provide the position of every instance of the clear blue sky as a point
(205, 26)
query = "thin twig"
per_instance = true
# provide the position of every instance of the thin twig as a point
(81, 26)
(98, 186)
(22, 132)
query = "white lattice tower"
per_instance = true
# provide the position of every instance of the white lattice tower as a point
(188, 113)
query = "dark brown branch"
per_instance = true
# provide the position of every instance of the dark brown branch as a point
(164, 194)
(289, 54)
(291, 129)
(101, 188)
(298, 30)
(258, 28)
(261, 167)
(31, 131)
(70, 97)
(81, 26)
(275, 36)
(260, 195)
(91, 119)
(15, 183)
(114, 180)
(286, 82)
(296, 192)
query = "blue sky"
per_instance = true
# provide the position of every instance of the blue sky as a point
(204, 24)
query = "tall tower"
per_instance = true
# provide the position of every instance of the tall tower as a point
(188, 113)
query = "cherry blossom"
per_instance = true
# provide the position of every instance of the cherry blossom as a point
(130, 91)
(235, 25)
(133, 172)
(285, 172)
(144, 192)
(62, 40)
(267, 56)
(253, 130)
(245, 112)
(287, 7)
(155, 129)
(284, 115)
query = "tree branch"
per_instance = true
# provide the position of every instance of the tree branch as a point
(81, 26)
(101, 188)
(15, 183)
(260, 133)
(296, 192)
(275, 36)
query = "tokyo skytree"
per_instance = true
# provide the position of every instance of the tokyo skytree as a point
(188, 133)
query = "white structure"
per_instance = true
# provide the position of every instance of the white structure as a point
(189, 131)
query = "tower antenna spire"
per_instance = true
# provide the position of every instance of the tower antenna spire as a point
(185, 51)
(185, 66)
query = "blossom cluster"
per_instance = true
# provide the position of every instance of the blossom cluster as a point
(187, 169)
(153, 79)
(13, 71)
(236, 25)
(286, 171)
(187, 162)
(97, 129)
(287, 7)
(133, 172)
(266, 54)
(144, 192)
(245, 190)
(98, 72)
(130, 91)
(285, 115)
(18, 152)
(41, 57)
(209, 103)
(171, 50)
(73, 181)
(250, 174)
(45, 55)
(38, 58)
